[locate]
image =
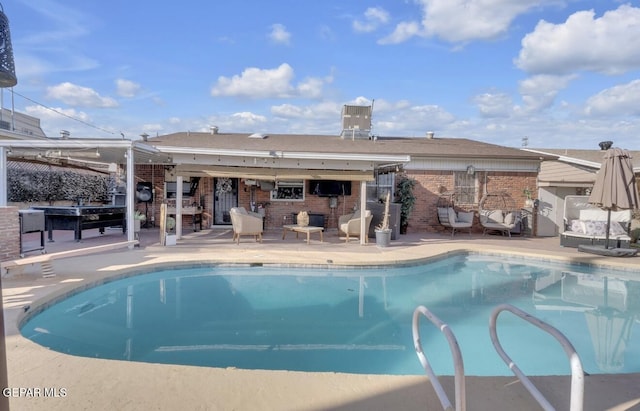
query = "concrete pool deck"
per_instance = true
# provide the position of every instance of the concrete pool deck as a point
(108, 384)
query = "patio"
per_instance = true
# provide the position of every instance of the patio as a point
(102, 384)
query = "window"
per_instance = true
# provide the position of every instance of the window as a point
(465, 186)
(292, 190)
(383, 184)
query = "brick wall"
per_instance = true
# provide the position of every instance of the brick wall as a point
(277, 211)
(154, 174)
(429, 185)
(9, 233)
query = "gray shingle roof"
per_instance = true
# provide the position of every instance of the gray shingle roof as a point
(416, 147)
(594, 156)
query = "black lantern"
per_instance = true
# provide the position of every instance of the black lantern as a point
(605, 145)
(7, 66)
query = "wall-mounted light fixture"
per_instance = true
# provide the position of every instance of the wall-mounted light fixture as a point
(471, 170)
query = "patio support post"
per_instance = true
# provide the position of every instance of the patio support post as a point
(363, 207)
(4, 186)
(179, 183)
(131, 195)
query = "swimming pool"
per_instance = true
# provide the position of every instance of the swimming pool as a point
(352, 320)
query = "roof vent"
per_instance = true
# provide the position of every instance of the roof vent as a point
(430, 135)
(214, 129)
(64, 134)
(258, 135)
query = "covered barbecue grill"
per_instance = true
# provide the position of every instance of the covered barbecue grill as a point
(31, 221)
(78, 218)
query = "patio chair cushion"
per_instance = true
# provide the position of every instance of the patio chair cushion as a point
(509, 218)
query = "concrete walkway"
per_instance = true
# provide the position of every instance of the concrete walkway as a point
(117, 385)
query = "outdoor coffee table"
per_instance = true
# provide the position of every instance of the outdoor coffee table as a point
(302, 229)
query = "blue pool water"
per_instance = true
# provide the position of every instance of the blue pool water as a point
(353, 320)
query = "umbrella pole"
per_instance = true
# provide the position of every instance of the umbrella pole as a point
(606, 242)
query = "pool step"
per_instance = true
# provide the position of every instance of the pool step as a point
(47, 269)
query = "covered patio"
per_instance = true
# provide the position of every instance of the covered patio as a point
(184, 162)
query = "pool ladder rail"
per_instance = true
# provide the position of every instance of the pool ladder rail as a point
(577, 372)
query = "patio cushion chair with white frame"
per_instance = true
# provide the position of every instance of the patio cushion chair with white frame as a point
(349, 224)
(246, 223)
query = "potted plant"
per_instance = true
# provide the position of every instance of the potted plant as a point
(383, 232)
(527, 193)
(404, 194)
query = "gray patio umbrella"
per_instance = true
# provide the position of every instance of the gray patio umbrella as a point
(615, 187)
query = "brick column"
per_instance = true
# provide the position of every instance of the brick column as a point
(9, 233)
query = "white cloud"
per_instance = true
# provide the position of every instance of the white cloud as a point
(403, 32)
(493, 105)
(539, 92)
(621, 100)
(46, 47)
(75, 95)
(246, 118)
(311, 88)
(268, 83)
(460, 21)
(326, 110)
(279, 34)
(257, 83)
(153, 128)
(374, 17)
(55, 113)
(69, 23)
(127, 88)
(608, 44)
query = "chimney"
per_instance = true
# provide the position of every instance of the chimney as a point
(430, 135)
(214, 129)
(144, 136)
(64, 134)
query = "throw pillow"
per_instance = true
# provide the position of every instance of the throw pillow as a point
(595, 228)
(616, 229)
(452, 215)
(576, 226)
(496, 217)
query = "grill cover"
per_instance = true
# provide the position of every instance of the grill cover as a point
(31, 221)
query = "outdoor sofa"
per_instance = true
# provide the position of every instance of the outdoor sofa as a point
(586, 224)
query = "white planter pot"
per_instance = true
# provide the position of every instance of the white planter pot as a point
(383, 238)
(171, 239)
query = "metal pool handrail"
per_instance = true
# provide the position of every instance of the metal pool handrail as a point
(577, 373)
(461, 401)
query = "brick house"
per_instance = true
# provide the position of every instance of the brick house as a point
(282, 174)
(261, 170)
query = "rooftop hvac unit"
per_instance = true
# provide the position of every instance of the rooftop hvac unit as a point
(356, 122)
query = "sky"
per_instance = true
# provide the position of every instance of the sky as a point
(541, 74)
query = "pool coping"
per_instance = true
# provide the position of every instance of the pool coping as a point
(136, 383)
